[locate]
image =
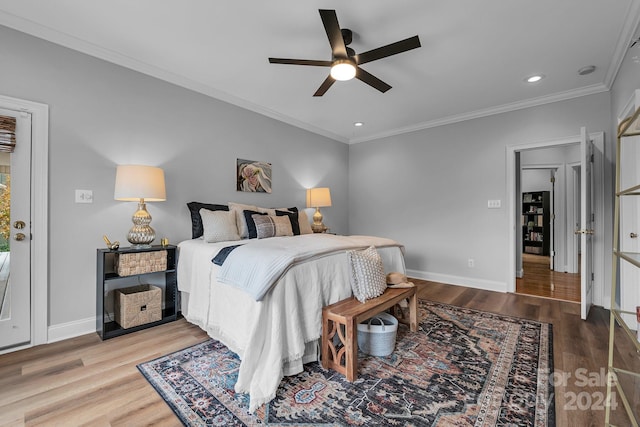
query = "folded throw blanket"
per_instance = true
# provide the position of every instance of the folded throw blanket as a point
(257, 265)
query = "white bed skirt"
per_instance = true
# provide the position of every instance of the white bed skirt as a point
(290, 367)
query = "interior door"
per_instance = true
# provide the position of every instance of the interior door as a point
(586, 225)
(15, 243)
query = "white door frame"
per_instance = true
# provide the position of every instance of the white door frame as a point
(39, 216)
(573, 215)
(598, 255)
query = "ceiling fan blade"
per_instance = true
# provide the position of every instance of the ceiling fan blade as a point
(331, 26)
(371, 80)
(313, 62)
(388, 50)
(326, 84)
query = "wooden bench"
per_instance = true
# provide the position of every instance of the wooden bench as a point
(343, 317)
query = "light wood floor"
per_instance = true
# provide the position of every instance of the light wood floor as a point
(540, 280)
(85, 381)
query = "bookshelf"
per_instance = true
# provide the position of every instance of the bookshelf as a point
(536, 222)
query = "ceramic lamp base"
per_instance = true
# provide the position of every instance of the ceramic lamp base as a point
(141, 234)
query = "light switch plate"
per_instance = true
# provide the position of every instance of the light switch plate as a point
(84, 196)
(494, 204)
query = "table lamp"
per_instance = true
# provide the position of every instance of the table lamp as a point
(318, 198)
(138, 183)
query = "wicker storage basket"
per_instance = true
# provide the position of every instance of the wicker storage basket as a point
(141, 262)
(138, 305)
(377, 336)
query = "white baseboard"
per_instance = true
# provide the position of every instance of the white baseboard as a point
(488, 285)
(73, 329)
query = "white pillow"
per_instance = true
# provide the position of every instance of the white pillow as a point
(367, 273)
(272, 226)
(305, 225)
(237, 209)
(219, 226)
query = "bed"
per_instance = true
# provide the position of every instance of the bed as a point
(276, 328)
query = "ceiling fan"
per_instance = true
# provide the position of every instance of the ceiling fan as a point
(345, 63)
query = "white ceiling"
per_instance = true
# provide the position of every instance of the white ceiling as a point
(473, 61)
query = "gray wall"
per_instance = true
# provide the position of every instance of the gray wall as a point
(535, 180)
(102, 115)
(429, 189)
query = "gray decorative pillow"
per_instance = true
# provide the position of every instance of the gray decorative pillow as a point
(305, 225)
(367, 273)
(219, 226)
(272, 226)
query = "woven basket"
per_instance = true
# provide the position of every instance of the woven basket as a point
(377, 336)
(141, 262)
(138, 305)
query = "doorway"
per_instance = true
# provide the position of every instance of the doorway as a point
(21, 325)
(15, 228)
(548, 222)
(592, 156)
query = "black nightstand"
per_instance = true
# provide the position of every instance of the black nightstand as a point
(108, 281)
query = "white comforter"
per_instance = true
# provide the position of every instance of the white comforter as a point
(270, 336)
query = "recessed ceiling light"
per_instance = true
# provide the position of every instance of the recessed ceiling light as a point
(534, 79)
(358, 124)
(587, 70)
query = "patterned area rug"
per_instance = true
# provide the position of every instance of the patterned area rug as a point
(462, 368)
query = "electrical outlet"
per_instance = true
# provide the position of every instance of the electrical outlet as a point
(471, 262)
(84, 196)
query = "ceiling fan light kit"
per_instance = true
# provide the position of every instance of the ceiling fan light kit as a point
(345, 63)
(343, 69)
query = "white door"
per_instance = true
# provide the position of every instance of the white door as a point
(586, 225)
(15, 314)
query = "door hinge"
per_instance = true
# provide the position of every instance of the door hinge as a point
(553, 179)
(591, 158)
(592, 277)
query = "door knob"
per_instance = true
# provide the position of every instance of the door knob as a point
(19, 236)
(19, 225)
(633, 235)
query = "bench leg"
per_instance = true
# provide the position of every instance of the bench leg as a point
(325, 340)
(351, 356)
(413, 312)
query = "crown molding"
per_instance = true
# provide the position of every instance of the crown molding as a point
(500, 109)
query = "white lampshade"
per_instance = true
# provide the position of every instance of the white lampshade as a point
(318, 197)
(343, 69)
(135, 182)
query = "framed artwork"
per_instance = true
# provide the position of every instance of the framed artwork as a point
(253, 176)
